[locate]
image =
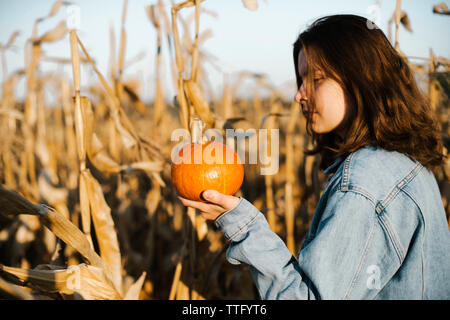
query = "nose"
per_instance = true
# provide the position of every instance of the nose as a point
(301, 94)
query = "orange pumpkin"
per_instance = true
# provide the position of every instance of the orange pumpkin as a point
(209, 166)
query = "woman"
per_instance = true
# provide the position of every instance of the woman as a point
(379, 230)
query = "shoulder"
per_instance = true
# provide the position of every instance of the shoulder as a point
(375, 172)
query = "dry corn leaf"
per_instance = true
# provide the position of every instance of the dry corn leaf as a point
(98, 156)
(88, 281)
(195, 56)
(55, 8)
(96, 285)
(122, 38)
(47, 160)
(149, 166)
(250, 4)
(55, 34)
(97, 153)
(24, 233)
(135, 289)
(14, 290)
(152, 200)
(404, 20)
(95, 150)
(51, 194)
(70, 234)
(104, 229)
(201, 227)
(138, 57)
(85, 208)
(11, 40)
(80, 123)
(151, 14)
(127, 138)
(12, 203)
(182, 101)
(137, 102)
(441, 8)
(176, 38)
(199, 102)
(46, 280)
(13, 114)
(205, 35)
(159, 104)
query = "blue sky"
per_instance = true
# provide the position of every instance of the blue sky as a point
(257, 41)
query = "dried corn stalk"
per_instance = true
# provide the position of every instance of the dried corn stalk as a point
(290, 178)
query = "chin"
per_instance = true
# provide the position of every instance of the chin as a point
(320, 130)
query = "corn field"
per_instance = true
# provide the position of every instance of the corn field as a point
(87, 206)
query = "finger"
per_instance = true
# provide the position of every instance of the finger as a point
(202, 206)
(209, 216)
(225, 201)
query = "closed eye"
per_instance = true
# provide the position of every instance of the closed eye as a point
(317, 81)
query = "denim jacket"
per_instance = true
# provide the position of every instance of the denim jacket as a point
(379, 232)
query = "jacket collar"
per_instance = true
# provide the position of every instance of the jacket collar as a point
(332, 168)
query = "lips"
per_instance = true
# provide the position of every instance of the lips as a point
(305, 109)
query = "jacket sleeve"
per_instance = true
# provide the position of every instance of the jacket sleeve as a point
(347, 257)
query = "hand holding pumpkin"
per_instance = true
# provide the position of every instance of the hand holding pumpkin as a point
(208, 185)
(217, 203)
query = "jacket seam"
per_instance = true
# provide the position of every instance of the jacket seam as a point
(241, 228)
(228, 211)
(362, 192)
(346, 173)
(345, 185)
(423, 239)
(366, 194)
(383, 204)
(353, 189)
(361, 262)
(386, 226)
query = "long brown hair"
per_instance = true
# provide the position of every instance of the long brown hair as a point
(386, 108)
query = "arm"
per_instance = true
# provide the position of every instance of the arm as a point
(348, 256)
(274, 269)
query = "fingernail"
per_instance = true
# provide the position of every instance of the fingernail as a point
(207, 194)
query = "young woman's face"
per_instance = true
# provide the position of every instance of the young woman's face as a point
(330, 103)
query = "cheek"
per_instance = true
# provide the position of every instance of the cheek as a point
(331, 100)
(330, 105)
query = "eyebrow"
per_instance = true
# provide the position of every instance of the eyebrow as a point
(306, 72)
